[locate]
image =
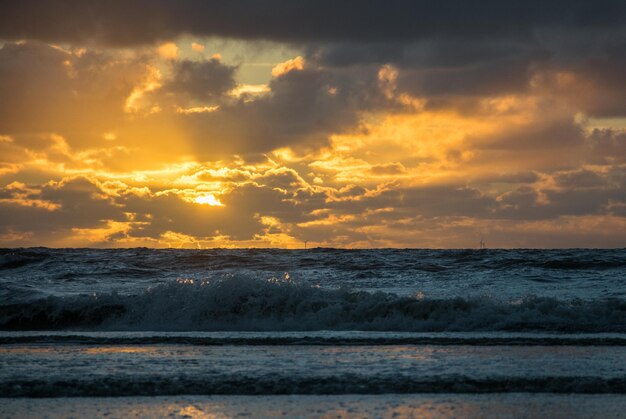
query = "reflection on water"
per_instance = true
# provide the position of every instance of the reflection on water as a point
(121, 350)
(194, 412)
(349, 406)
(413, 352)
(162, 369)
(14, 349)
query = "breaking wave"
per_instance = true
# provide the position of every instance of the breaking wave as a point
(243, 303)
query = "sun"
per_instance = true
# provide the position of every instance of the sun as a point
(208, 199)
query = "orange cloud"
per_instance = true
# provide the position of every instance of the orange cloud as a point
(197, 47)
(168, 50)
(294, 64)
(124, 148)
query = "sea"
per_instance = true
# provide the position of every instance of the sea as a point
(312, 333)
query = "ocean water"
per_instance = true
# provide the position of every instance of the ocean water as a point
(488, 331)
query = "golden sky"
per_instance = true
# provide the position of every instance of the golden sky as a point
(263, 136)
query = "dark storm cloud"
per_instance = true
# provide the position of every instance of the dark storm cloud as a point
(141, 21)
(201, 80)
(606, 70)
(435, 67)
(431, 53)
(607, 146)
(579, 179)
(304, 108)
(495, 76)
(440, 47)
(578, 193)
(588, 74)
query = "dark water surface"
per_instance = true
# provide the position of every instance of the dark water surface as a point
(318, 289)
(131, 322)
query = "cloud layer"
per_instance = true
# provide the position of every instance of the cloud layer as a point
(145, 21)
(428, 124)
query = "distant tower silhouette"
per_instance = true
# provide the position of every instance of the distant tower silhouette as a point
(305, 242)
(482, 243)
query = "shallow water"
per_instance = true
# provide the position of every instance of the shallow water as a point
(512, 405)
(88, 369)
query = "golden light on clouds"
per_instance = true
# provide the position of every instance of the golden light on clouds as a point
(109, 136)
(84, 236)
(196, 46)
(419, 148)
(235, 144)
(294, 64)
(151, 81)
(168, 51)
(198, 109)
(208, 199)
(250, 89)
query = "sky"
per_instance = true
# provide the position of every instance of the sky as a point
(348, 124)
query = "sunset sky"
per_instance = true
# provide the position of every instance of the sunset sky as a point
(341, 123)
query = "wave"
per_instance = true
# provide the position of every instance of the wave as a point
(275, 339)
(391, 260)
(275, 384)
(237, 302)
(18, 258)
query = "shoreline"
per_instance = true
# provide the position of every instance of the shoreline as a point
(387, 405)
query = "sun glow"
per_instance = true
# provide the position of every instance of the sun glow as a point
(209, 199)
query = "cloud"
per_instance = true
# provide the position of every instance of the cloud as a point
(196, 46)
(200, 81)
(46, 88)
(277, 205)
(607, 146)
(301, 109)
(122, 23)
(168, 50)
(94, 99)
(294, 64)
(388, 169)
(49, 212)
(449, 47)
(386, 123)
(579, 179)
